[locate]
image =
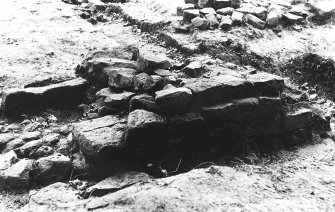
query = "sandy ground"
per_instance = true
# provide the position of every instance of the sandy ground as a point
(47, 38)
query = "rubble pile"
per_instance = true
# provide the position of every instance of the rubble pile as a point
(224, 14)
(141, 108)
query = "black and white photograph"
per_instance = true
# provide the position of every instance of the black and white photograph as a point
(167, 105)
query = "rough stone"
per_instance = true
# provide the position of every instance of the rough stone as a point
(200, 23)
(174, 100)
(79, 163)
(100, 69)
(32, 127)
(235, 110)
(188, 15)
(98, 136)
(267, 84)
(298, 11)
(150, 62)
(13, 144)
(226, 22)
(143, 82)
(187, 119)
(58, 196)
(218, 89)
(254, 21)
(30, 147)
(261, 13)
(219, 4)
(51, 139)
(299, 119)
(118, 101)
(194, 69)
(5, 138)
(117, 182)
(144, 127)
(7, 160)
(273, 18)
(39, 82)
(213, 21)
(291, 18)
(16, 100)
(143, 101)
(235, 3)
(28, 136)
(43, 151)
(52, 169)
(121, 79)
(17, 176)
(205, 3)
(237, 18)
(122, 52)
(182, 27)
(207, 10)
(163, 72)
(225, 11)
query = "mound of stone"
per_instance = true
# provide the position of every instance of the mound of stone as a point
(68, 93)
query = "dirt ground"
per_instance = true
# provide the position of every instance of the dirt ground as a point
(42, 38)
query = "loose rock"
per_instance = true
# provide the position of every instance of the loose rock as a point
(17, 176)
(145, 102)
(174, 100)
(52, 169)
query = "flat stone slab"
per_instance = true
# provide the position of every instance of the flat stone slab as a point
(242, 109)
(100, 135)
(219, 89)
(69, 92)
(267, 84)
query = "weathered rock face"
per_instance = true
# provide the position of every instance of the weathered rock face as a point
(145, 102)
(143, 82)
(34, 98)
(194, 69)
(189, 14)
(226, 23)
(149, 62)
(91, 69)
(7, 160)
(237, 18)
(57, 196)
(213, 21)
(254, 21)
(206, 3)
(118, 101)
(117, 182)
(99, 69)
(299, 119)
(143, 124)
(52, 169)
(17, 176)
(173, 100)
(219, 4)
(100, 136)
(200, 23)
(121, 79)
(219, 88)
(267, 84)
(5, 138)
